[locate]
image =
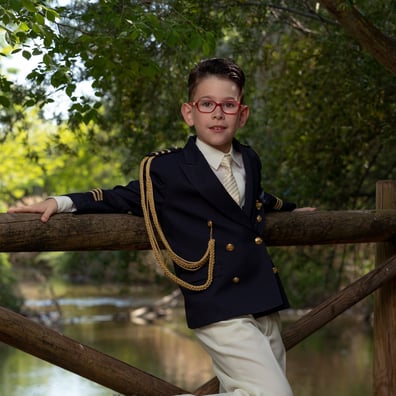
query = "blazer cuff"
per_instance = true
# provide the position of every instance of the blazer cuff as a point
(272, 203)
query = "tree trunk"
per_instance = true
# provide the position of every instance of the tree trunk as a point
(382, 47)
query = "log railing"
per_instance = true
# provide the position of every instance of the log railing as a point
(65, 232)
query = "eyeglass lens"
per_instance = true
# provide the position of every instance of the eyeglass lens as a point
(208, 106)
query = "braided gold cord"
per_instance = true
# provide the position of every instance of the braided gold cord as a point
(153, 226)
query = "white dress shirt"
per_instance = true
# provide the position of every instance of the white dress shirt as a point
(214, 157)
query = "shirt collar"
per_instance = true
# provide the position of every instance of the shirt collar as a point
(214, 156)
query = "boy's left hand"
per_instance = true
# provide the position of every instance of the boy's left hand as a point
(305, 209)
(47, 208)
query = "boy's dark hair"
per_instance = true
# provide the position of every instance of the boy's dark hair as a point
(221, 67)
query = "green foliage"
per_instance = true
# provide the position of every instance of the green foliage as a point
(22, 21)
(122, 267)
(109, 267)
(42, 159)
(126, 49)
(333, 134)
(8, 296)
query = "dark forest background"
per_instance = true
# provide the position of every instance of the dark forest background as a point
(106, 84)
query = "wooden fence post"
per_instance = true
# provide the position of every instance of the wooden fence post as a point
(384, 383)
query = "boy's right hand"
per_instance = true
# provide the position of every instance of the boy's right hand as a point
(47, 208)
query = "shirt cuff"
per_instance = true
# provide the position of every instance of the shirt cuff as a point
(65, 204)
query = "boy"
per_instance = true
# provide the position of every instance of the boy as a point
(209, 214)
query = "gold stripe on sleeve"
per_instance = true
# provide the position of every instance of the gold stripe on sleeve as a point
(279, 204)
(97, 194)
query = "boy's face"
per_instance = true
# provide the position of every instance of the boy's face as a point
(217, 128)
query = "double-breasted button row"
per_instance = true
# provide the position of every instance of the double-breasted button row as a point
(259, 217)
(236, 279)
(230, 247)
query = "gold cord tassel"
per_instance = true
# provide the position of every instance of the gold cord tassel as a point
(153, 227)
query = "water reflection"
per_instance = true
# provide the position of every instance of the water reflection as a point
(335, 361)
(154, 349)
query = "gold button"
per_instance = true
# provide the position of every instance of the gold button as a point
(259, 218)
(259, 205)
(230, 247)
(275, 270)
(258, 241)
(210, 224)
(235, 279)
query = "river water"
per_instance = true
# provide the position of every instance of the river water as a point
(336, 361)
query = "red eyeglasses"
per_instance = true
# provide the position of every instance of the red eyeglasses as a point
(209, 106)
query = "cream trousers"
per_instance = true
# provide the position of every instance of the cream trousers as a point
(248, 355)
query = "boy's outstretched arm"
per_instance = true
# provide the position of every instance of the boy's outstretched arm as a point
(47, 208)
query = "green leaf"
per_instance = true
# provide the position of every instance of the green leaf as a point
(29, 103)
(89, 116)
(4, 101)
(29, 5)
(47, 60)
(10, 38)
(26, 54)
(24, 27)
(37, 28)
(70, 89)
(51, 14)
(58, 78)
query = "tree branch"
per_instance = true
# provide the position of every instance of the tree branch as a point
(381, 46)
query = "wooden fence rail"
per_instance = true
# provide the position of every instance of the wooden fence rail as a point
(65, 232)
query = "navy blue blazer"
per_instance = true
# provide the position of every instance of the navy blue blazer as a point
(188, 195)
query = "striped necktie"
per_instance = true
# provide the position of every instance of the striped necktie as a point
(229, 181)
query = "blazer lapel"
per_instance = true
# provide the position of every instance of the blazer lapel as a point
(251, 177)
(201, 176)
